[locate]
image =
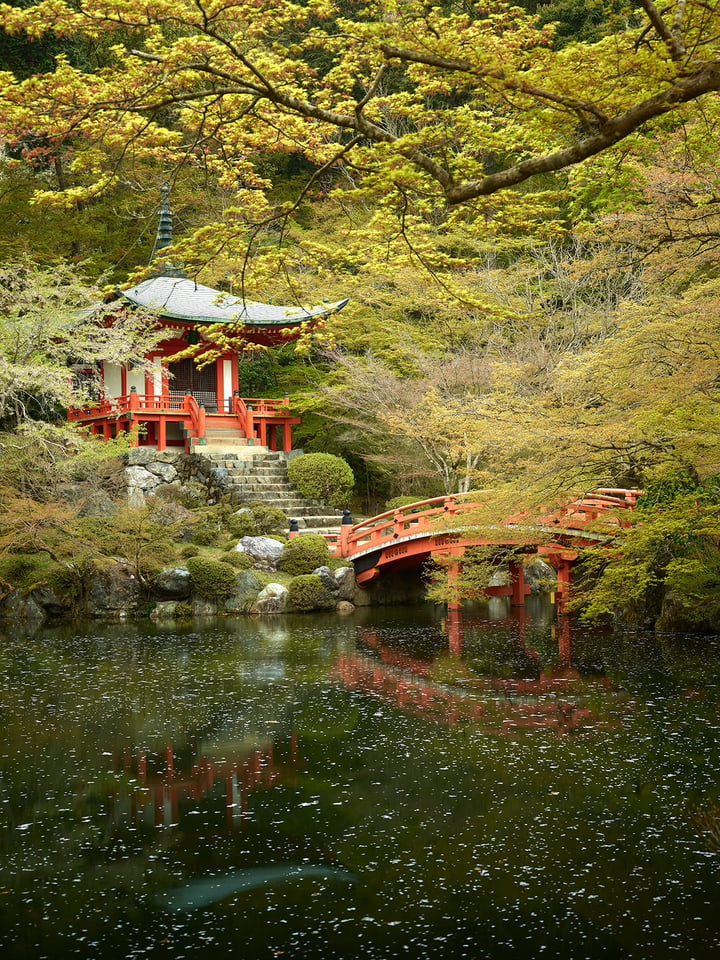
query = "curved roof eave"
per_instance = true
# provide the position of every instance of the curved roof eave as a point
(178, 298)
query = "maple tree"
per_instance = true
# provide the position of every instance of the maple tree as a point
(49, 321)
(424, 109)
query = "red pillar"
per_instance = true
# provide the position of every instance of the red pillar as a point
(454, 631)
(519, 588)
(564, 642)
(454, 602)
(564, 585)
(162, 433)
(287, 437)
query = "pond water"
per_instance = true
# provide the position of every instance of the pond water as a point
(384, 785)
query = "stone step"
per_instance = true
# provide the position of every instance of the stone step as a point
(329, 533)
(244, 472)
(316, 521)
(271, 483)
(249, 476)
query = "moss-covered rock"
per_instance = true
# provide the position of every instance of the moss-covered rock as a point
(211, 579)
(304, 553)
(309, 593)
(241, 561)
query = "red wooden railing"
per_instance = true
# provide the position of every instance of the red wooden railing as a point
(256, 416)
(423, 518)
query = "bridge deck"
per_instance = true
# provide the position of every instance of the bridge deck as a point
(442, 526)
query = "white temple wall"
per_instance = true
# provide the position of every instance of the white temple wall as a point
(227, 379)
(136, 378)
(112, 379)
(157, 377)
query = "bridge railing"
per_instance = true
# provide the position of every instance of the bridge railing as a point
(414, 518)
(422, 516)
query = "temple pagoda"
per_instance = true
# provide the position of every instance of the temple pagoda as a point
(177, 403)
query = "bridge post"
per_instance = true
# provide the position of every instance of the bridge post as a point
(519, 588)
(454, 602)
(565, 578)
(562, 558)
(345, 528)
(454, 631)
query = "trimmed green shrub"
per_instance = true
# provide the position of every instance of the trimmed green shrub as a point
(211, 579)
(192, 495)
(241, 525)
(304, 553)
(269, 520)
(322, 476)
(237, 559)
(309, 593)
(189, 551)
(205, 532)
(182, 610)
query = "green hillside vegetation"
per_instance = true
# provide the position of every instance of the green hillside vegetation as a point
(520, 202)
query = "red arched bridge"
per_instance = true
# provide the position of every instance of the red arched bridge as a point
(441, 528)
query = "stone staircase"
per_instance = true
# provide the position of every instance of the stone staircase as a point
(220, 439)
(255, 473)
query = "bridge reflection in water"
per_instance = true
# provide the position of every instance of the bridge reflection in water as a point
(449, 686)
(447, 690)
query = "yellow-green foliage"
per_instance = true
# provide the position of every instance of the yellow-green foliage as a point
(237, 559)
(241, 525)
(211, 579)
(322, 476)
(304, 553)
(21, 571)
(309, 593)
(673, 548)
(268, 520)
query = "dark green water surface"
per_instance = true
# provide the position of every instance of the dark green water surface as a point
(370, 787)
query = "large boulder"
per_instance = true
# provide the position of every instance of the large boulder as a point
(138, 456)
(328, 580)
(204, 608)
(113, 590)
(345, 583)
(138, 482)
(50, 603)
(265, 551)
(174, 583)
(248, 588)
(272, 599)
(98, 504)
(19, 606)
(539, 575)
(678, 616)
(167, 610)
(165, 471)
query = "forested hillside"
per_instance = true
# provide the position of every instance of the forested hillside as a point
(520, 201)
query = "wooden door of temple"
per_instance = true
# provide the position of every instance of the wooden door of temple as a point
(201, 383)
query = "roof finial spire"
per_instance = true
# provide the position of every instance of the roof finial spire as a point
(164, 231)
(164, 236)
